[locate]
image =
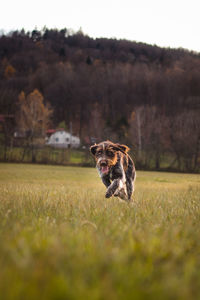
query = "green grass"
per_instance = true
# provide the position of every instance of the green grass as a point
(61, 239)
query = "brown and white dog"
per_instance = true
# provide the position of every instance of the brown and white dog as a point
(116, 169)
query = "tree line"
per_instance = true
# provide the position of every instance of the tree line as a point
(145, 96)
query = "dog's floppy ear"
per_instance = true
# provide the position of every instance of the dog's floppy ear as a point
(93, 149)
(123, 148)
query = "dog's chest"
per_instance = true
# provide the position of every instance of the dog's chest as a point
(111, 176)
(115, 173)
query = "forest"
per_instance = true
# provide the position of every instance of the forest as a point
(142, 95)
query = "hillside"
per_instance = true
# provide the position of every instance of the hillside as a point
(142, 95)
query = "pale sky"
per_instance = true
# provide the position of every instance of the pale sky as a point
(169, 23)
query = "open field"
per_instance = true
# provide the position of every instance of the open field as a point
(61, 239)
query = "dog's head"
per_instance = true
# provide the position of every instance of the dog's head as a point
(105, 154)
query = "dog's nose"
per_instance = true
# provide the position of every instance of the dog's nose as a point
(103, 163)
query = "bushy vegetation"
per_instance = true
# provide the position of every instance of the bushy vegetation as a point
(61, 239)
(49, 155)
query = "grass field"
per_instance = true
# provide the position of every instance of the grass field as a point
(61, 239)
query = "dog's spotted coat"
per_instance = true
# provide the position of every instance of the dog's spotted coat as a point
(116, 169)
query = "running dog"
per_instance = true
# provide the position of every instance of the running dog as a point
(115, 168)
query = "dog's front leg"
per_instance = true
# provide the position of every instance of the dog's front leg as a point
(106, 180)
(113, 187)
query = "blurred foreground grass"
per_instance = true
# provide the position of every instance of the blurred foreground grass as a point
(61, 239)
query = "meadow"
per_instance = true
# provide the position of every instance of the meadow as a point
(61, 239)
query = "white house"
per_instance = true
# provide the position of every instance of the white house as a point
(63, 139)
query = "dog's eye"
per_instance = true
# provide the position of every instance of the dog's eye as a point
(99, 152)
(109, 153)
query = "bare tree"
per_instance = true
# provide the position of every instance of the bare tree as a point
(149, 133)
(185, 139)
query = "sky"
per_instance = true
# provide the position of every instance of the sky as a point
(169, 23)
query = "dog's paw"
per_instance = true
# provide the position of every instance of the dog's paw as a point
(108, 194)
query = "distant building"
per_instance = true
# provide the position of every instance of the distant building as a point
(63, 139)
(49, 132)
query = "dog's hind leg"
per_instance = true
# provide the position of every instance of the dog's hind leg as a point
(122, 194)
(130, 179)
(130, 187)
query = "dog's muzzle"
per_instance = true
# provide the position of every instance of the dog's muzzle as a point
(104, 166)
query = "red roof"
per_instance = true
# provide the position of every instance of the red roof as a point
(50, 131)
(54, 130)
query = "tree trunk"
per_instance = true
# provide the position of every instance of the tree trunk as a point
(157, 159)
(139, 134)
(196, 156)
(33, 150)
